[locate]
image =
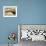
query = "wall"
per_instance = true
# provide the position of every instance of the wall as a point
(29, 12)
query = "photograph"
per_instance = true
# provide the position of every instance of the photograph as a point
(9, 11)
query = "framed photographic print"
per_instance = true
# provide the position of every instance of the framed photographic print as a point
(9, 11)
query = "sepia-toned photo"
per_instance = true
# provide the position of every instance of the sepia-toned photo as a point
(10, 11)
